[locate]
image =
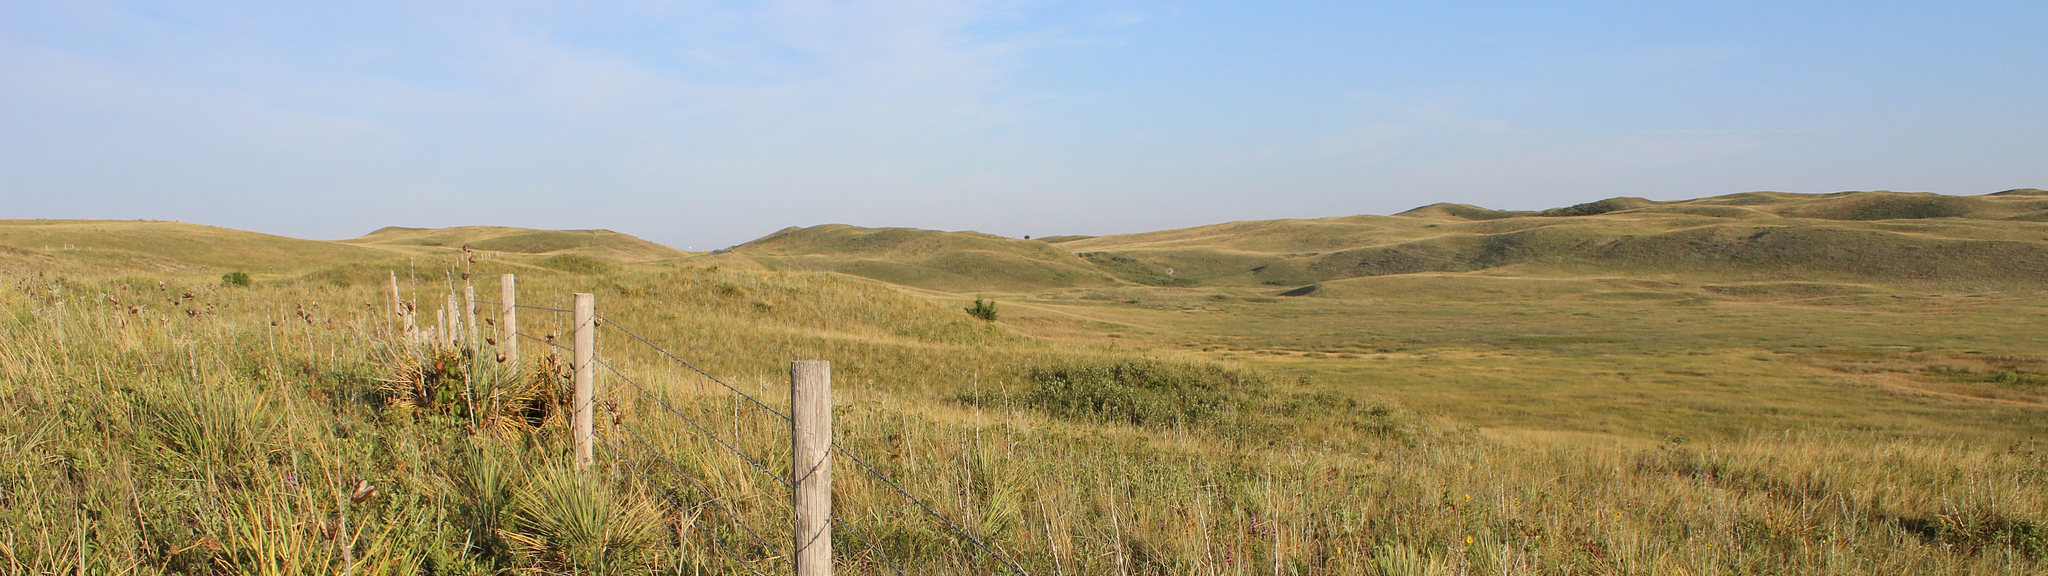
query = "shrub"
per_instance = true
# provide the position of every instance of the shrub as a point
(235, 278)
(1142, 392)
(983, 309)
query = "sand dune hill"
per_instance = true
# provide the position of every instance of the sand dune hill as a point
(157, 247)
(84, 246)
(952, 261)
(604, 243)
(1854, 237)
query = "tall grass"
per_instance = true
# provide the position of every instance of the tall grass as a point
(195, 429)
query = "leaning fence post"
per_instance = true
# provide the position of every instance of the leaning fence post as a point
(810, 407)
(508, 320)
(586, 375)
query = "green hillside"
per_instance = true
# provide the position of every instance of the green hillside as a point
(597, 243)
(81, 246)
(950, 261)
(1850, 236)
(97, 247)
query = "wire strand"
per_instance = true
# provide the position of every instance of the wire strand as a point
(757, 402)
(927, 508)
(864, 542)
(635, 467)
(701, 487)
(544, 341)
(693, 423)
(607, 322)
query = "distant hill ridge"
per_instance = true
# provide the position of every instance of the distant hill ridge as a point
(603, 243)
(1881, 236)
(125, 246)
(957, 261)
(1878, 236)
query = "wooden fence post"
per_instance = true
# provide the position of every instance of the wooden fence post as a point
(508, 320)
(586, 375)
(810, 407)
(398, 323)
(469, 314)
(454, 323)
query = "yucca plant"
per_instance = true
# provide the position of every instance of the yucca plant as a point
(1401, 560)
(498, 400)
(563, 520)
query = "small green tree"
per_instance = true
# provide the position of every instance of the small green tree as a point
(235, 278)
(983, 309)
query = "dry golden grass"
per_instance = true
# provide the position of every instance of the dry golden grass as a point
(1528, 421)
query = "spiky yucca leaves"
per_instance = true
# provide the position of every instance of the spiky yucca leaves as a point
(497, 399)
(565, 520)
(210, 427)
(265, 536)
(1401, 560)
(486, 485)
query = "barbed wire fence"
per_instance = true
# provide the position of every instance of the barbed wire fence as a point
(678, 470)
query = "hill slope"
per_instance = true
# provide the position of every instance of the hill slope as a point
(164, 247)
(597, 243)
(1862, 236)
(127, 246)
(951, 261)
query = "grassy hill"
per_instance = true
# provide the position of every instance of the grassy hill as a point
(597, 243)
(164, 248)
(178, 249)
(1851, 236)
(949, 261)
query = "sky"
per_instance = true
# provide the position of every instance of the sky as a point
(706, 124)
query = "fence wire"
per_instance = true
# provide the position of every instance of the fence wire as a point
(709, 535)
(693, 367)
(705, 490)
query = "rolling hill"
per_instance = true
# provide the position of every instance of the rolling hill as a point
(1850, 237)
(86, 246)
(950, 261)
(1757, 236)
(95, 247)
(596, 243)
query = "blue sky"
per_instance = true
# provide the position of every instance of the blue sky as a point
(706, 124)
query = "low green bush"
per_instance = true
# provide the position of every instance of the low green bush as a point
(983, 309)
(1142, 392)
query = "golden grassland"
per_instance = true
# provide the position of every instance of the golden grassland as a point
(1511, 420)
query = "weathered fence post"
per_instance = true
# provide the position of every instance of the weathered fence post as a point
(399, 322)
(586, 375)
(810, 407)
(508, 319)
(469, 314)
(454, 322)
